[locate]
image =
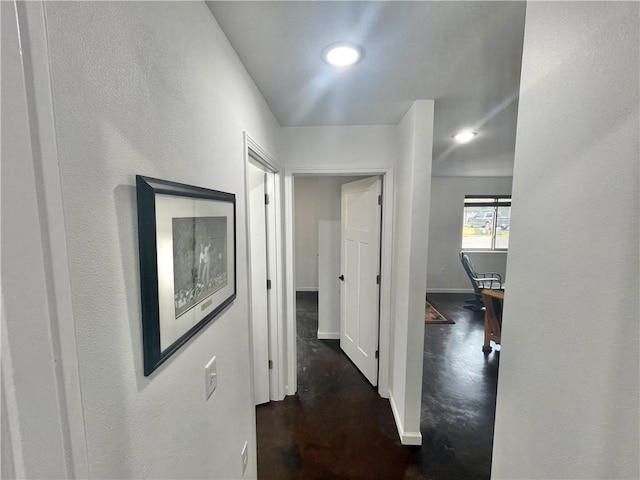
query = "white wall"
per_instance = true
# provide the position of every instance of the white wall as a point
(411, 229)
(155, 89)
(316, 198)
(339, 147)
(568, 393)
(306, 232)
(444, 271)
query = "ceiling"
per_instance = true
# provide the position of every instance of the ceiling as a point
(465, 55)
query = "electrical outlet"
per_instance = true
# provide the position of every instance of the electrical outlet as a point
(245, 457)
(210, 377)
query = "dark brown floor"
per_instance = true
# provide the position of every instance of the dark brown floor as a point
(337, 427)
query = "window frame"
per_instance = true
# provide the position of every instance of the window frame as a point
(494, 201)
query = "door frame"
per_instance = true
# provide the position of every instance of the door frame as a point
(252, 151)
(386, 250)
(61, 382)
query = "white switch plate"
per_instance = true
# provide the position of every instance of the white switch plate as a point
(245, 457)
(210, 377)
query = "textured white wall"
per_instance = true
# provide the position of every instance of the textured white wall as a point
(411, 228)
(306, 232)
(155, 89)
(339, 147)
(444, 271)
(568, 393)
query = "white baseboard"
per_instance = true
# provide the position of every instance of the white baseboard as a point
(306, 289)
(406, 438)
(328, 335)
(449, 290)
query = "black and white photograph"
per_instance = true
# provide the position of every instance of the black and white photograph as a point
(199, 260)
(187, 245)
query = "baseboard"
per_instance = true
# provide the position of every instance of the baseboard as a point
(306, 289)
(406, 438)
(449, 290)
(328, 335)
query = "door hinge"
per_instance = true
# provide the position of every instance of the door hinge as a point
(270, 364)
(379, 199)
(377, 354)
(268, 284)
(378, 279)
(266, 199)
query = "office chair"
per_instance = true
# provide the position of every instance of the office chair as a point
(480, 281)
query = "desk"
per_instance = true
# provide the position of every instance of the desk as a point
(493, 301)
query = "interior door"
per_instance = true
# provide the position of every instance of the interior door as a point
(258, 265)
(360, 265)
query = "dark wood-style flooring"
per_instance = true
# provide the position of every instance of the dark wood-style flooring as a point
(338, 427)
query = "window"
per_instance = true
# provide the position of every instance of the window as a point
(486, 222)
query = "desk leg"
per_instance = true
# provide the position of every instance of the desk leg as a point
(486, 348)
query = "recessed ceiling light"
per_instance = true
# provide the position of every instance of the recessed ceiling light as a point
(464, 136)
(342, 54)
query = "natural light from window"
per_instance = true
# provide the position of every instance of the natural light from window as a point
(486, 222)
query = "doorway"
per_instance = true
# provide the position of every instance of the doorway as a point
(337, 243)
(298, 279)
(265, 275)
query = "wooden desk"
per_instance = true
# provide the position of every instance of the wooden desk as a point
(493, 301)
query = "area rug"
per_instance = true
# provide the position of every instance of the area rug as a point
(433, 316)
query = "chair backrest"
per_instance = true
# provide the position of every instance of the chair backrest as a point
(467, 264)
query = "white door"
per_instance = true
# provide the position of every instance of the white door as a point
(258, 268)
(360, 265)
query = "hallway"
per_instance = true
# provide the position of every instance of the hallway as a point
(337, 427)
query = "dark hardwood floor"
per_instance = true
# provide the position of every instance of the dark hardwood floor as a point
(337, 427)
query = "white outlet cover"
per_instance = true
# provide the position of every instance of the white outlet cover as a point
(210, 377)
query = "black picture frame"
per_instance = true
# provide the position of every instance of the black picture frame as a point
(187, 245)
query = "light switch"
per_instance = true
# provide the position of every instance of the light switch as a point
(210, 377)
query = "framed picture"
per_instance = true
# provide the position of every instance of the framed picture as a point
(187, 241)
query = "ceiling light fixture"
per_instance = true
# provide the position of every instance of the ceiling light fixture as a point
(342, 54)
(464, 136)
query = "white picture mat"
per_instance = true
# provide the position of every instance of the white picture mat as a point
(167, 208)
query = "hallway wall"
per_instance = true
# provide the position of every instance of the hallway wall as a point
(568, 388)
(153, 89)
(340, 147)
(411, 233)
(407, 149)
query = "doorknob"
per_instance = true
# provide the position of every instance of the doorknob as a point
(341, 277)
